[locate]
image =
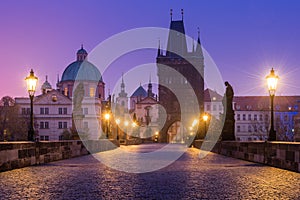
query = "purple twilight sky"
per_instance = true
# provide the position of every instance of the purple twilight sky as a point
(244, 38)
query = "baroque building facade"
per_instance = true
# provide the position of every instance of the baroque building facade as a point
(55, 109)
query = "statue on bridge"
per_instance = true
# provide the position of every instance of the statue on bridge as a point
(228, 128)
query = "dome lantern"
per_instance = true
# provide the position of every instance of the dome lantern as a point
(81, 54)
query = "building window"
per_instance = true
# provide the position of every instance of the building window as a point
(238, 128)
(28, 111)
(46, 125)
(238, 117)
(208, 107)
(42, 125)
(60, 125)
(85, 111)
(286, 117)
(255, 128)
(65, 125)
(60, 137)
(220, 107)
(244, 117)
(60, 111)
(65, 111)
(255, 117)
(44, 111)
(23, 111)
(46, 138)
(249, 117)
(260, 117)
(214, 107)
(249, 129)
(92, 92)
(85, 125)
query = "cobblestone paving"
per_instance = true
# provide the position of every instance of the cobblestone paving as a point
(214, 177)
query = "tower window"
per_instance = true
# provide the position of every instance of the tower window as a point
(66, 91)
(92, 92)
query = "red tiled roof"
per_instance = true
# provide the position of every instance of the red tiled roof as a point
(281, 103)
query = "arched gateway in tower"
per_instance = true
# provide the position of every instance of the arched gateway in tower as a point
(181, 85)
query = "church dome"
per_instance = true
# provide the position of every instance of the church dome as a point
(81, 71)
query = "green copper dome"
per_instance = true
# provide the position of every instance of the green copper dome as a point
(81, 71)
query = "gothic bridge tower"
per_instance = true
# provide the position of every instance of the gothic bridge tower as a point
(181, 84)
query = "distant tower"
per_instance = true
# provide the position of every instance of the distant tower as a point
(185, 64)
(122, 99)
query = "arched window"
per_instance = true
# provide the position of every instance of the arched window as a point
(66, 91)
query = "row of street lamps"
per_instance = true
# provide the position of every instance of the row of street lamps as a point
(31, 80)
(107, 117)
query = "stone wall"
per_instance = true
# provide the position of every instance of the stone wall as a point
(285, 155)
(21, 154)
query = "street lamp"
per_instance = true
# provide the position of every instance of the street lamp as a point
(272, 80)
(31, 81)
(118, 122)
(107, 117)
(205, 118)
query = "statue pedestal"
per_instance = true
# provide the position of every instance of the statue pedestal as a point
(228, 128)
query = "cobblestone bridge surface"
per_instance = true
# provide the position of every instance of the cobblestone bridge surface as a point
(214, 177)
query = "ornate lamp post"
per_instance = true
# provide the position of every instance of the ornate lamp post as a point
(31, 81)
(118, 122)
(272, 80)
(107, 117)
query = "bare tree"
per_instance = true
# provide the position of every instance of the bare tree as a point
(13, 126)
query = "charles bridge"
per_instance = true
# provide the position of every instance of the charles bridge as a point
(212, 177)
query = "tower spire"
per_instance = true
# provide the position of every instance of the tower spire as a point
(171, 13)
(158, 50)
(150, 94)
(122, 93)
(198, 36)
(199, 51)
(181, 14)
(122, 84)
